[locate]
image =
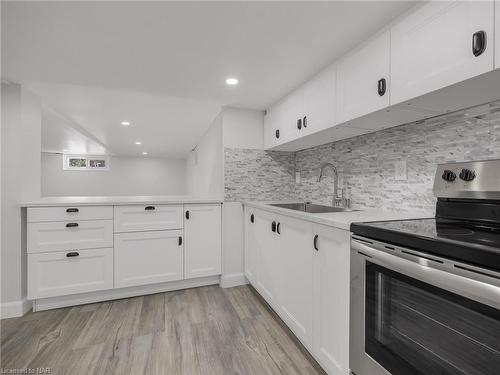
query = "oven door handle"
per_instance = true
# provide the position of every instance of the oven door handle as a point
(423, 270)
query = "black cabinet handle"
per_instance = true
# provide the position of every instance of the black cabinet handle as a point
(277, 133)
(315, 242)
(71, 210)
(71, 225)
(72, 254)
(150, 208)
(252, 218)
(382, 86)
(478, 43)
(273, 226)
(187, 215)
(180, 240)
(299, 123)
(304, 122)
(278, 228)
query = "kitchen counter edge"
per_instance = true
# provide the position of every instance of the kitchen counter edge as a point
(117, 201)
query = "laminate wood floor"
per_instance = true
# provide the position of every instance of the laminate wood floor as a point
(206, 330)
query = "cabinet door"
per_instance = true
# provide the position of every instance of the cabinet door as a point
(319, 102)
(331, 298)
(148, 257)
(358, 76)
(272, 127)
(433, 47)
(269, 262)
(497, 34)
(251, 245)
(69, 272)
(295, 268)
(202, 245)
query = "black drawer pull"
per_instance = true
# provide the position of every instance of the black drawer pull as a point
(315, 242)
(278, 228)
(478, 43)
(69, 210)
(304, 122)
(187, 215)
(382, 86)
(71, 225)
(149, 208)
(273, 226)
(277, 133)
(252, 218)
(72, 254)
(180, 240)
(299, 123)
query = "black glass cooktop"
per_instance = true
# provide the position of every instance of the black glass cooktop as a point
(472, 242)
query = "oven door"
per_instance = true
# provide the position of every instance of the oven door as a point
(414, 315)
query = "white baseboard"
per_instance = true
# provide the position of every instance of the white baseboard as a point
(14, 309)
(111, 294)
(235, 279)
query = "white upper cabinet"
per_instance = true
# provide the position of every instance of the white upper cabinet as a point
(319, 103)
(202, 240)
(497, 34)
(439, 44)
(363, 79)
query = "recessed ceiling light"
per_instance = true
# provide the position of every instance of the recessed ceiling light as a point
(125, 123)
(144, 153)
(232, 81)
(138, 143)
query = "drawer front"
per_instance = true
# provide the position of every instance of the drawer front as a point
(60, 235)
(69, 213)
(148, 257)
(147, 217)
(57, 274)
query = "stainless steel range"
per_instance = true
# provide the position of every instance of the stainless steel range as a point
(425, 294)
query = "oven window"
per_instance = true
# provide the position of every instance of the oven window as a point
(415, 328)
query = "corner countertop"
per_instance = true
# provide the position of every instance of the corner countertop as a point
(119, 200)
(341, 220)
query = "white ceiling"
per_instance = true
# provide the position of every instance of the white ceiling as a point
(162, 65)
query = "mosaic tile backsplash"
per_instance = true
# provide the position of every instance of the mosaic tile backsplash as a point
(366, 163)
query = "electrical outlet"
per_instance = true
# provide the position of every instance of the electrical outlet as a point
(400, 171)
(297, 177)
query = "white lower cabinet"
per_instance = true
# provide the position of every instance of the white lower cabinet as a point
(69, 272)
(202, 248)
(295, 271)
(308, 288)
(148, 257)
(331, 298)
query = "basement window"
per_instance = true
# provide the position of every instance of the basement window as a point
(85, 162)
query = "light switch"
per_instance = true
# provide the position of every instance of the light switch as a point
(400, 170)
(297, 177)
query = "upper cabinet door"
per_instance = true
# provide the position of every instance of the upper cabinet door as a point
(439, 44)
(497, 34)
(319, 103)
(363, 79)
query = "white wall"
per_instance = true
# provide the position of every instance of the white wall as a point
(126, 176)
(205, 165)
(20, 170)
(243, 128)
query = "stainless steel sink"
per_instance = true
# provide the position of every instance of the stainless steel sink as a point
(311, 208)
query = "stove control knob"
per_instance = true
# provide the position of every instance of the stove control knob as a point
(449, 176)
(467, 175)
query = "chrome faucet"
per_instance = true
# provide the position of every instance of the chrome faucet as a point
(336, 201)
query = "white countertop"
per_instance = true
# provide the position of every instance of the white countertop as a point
(119, 200)
(341, 220)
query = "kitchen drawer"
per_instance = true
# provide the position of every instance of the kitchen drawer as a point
(60, 235)
(69, 213)
(69, 272)
(148, 257)
(148, 217)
